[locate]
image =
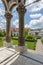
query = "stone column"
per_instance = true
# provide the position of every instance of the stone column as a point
(21, 12)
(8, 31)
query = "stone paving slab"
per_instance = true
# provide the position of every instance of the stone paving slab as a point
(20, 60)
(34, 56)
(27, 58)
(5, 53)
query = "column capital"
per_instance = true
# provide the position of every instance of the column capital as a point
(8, 15)
(21, 9)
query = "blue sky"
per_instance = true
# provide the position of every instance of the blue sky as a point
(33, 16)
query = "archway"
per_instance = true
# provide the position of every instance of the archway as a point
(21, 11)
(8, 10)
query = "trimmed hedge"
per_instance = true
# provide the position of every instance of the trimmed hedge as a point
(28, 40)
(2, 34)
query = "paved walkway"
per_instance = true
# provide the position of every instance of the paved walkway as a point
(39, 47)
(9, 56)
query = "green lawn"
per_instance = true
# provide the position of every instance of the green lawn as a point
(30, 45)
(1, 43)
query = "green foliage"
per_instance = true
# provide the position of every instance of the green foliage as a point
(11, 34)
(2, 34)
(30, 45)
(1, 41)
(36, 34)
(25, 32)
(30, 37)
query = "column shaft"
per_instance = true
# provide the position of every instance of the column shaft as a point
(8, 33)
(21, 12)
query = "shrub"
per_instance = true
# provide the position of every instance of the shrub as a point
(25, 32)
(30, 37)
(42, 40)
(2, 34)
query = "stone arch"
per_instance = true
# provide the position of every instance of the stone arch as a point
(21, 11)
(12, 5)
(5, 4)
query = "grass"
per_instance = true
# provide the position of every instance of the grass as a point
(30, 45)
(15, 42)
(1, 43)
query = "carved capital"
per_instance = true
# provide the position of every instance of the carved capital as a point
(8, 15)
(21, 9)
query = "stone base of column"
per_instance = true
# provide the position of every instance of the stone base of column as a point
(21, 49)
(8, 45)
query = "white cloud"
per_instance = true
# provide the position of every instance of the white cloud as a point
(26, 26)
(33, 23)
(35, 7)
(16, 23)
(0, 1)
(36, 23)
(35, 15)
(2, 23)
(29, 1)
(1, 12)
